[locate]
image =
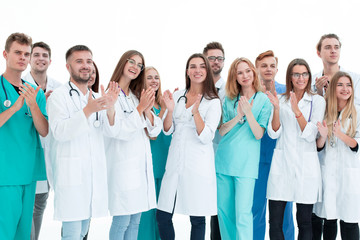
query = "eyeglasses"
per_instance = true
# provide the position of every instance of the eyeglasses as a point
(213, 58)
(304, 75)
(133, 63)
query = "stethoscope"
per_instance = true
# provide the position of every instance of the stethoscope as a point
(129, 109)
(7, 102)
(184, 96)
(96, 122)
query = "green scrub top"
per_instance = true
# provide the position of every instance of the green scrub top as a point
(21, 155)
(159, 151)
(238, 153)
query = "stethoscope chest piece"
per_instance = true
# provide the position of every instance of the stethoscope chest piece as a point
(7, 103)
(97, 123)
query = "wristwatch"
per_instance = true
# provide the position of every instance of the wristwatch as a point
(242, 120)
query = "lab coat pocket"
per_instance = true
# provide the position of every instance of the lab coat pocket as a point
(351, 181)
(311, 165)
(129, 175)
(68, 171)
(277, 163)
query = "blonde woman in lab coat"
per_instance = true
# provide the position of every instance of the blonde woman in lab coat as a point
(189, 183)
(130, 171)
(295, 170)
(340, 165)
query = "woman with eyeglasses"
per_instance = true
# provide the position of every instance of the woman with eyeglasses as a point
(295, 170)
(130, 171)
(189, 182)
(340, 165)
(148, 229)
(246, 112)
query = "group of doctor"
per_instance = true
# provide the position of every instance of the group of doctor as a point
(185, 161)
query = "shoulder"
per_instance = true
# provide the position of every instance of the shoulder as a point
(316, 75)
(177, 94)
(28, 78)
(52, 83)
(318, 99)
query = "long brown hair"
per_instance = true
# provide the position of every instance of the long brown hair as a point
(331, 112)
(209, 90)
(158, 93)
(137, 84)
(289, 84)
(95, 86)
(232, 86)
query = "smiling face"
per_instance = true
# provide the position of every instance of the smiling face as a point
(244, 76)
(152, 79)
(18, 57)
(300, 82)
(343, 89)
(40, 60)
(132, 69)
(196, 70)
(80, 66)
(92, 78)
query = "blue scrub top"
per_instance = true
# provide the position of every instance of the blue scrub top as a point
(159, 151)
(21, 155)
(267, 143)
(238, 153)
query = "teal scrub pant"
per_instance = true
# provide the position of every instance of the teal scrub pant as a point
(16, 209)
(148, 229)
(234, 200)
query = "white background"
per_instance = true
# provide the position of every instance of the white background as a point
(168, 32)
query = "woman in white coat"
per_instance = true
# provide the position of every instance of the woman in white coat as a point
(130, 171)
(340, 165)
(189, 182)
(295, 170)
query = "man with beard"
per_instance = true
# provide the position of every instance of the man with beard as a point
(266, 65)
(40, 60)
(22, 120)
(77, 120)
(215, 54)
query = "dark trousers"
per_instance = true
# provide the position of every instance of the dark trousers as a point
(166, 227)
(303, 218)
(214, 228)
(328, 228)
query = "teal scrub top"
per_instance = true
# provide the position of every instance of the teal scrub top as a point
(159, 150)
(238, 153)
(21, 155)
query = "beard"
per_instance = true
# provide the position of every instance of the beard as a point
(79, 79)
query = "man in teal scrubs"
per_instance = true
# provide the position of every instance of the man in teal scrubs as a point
(22, 118)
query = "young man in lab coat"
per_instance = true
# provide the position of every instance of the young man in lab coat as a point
(216, 56)
(22, 119)
(40, 60)
(328, 49)
(266, 65)
(77, 120)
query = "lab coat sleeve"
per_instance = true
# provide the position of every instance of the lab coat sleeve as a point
(356, 81)
(274, 134)
(63, 126)
(211, 120)
(125, 125)
(155, 129)
(172, 128)
(357, 133)
(311, 130)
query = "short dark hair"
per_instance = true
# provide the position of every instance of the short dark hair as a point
(76, 48)
(329, 35)
(41, 45)
(20, 38)
(213, 45)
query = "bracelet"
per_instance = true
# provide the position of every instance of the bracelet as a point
(299, 115)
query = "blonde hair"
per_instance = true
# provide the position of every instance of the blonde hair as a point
(331, 112)
(232, 87)
(158, 93)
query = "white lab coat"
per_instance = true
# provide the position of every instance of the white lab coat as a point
(129, 160)
(77, 157)
(190, 175)
(295, 170)
(354, 76)
(42, 186)
(340, 169)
